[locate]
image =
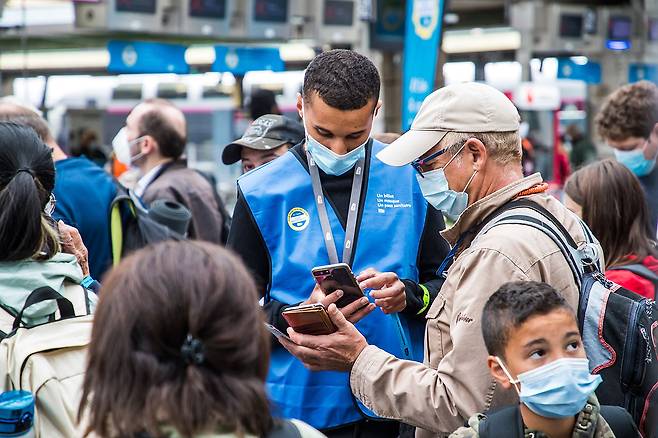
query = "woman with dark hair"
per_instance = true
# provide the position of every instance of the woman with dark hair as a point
(34, 270)
(609, 198)
(179, 349)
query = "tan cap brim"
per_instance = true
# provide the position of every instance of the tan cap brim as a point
(409, 146)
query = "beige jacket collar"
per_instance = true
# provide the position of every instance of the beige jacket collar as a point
(478, 211)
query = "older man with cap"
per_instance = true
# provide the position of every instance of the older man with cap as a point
(465, 145)
(268, 137)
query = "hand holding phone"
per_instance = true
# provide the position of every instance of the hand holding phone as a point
(338, 276)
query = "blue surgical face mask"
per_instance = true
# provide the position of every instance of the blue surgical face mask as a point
(435, 189)
(330, 162)
(559, 389)
(635, 161)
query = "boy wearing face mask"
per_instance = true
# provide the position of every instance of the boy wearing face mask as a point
(628, 122)
(369, 215)
(534, 347)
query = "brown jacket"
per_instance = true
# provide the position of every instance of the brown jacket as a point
(454, 383)
(176, 182)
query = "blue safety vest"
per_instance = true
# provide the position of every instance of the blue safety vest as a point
(280, 197)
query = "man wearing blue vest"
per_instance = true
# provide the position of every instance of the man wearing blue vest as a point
(373, 215)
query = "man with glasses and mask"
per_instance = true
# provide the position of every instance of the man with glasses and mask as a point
(465, 146)
(154, 141)
(628, 122)
(330, 200)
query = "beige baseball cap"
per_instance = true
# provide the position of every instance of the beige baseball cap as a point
(466, 107)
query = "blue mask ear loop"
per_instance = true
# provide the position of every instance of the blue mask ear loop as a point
(509, 376)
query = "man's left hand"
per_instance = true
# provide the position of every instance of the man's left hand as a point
(388, 291)
(335, 352)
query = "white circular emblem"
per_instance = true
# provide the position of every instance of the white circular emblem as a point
(129, 56)
(231, 59)
(298, 219)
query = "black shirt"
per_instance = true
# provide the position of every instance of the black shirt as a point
(246, 240)
(650, 186)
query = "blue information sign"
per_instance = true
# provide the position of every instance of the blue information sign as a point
(589, 72)
(643, 72)
(240, 60)
(146, 57)
(421, 50)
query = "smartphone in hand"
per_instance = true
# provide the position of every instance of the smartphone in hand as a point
(338, 276)
(310, 319)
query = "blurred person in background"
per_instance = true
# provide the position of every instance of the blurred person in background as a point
(267, 138)
(628, 122)
(179, 349)
(582, 149)
(154, 140)
(608, 197)
(262, 102)
(83, 191)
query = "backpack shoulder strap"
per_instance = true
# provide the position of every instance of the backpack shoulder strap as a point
(528, 213)
(505, 422)
(284, 429)
(638, 269)
(620, 421)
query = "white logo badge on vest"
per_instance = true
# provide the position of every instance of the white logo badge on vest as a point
(298, 219)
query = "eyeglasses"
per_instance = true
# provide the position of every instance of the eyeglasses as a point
(418, 163)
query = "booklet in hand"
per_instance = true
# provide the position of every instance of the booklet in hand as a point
(310, 319)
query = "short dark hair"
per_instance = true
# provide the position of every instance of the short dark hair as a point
(139, 377)
(631, 111)
(512, 305)
(27, 179)
(343, 79)
(14, 113)
(156, 124)
(262, 102)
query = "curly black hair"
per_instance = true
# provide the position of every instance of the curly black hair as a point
(512, 305)
(344, 79)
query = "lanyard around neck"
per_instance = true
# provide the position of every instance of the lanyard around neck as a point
(355, 198)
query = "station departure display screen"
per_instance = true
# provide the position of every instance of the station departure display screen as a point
(271, 10)
(571, 25)
(619, 28)
(653, 29)
(208, 8)
(139, 6)
(338, 12)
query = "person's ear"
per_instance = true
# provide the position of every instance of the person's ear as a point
(652, 147)
(147, 145)
(377, 107)
(300, 104)
(476, 153)
(497, 372)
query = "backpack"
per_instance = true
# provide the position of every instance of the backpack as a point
(619, 327)
(49, 359)
(131, 228)
(507, 422)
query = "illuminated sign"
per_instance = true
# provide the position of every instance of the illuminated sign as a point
(271, 10)
(571, 25)
(338, 13)
(208, 8)
(619, 33)
(139, 6)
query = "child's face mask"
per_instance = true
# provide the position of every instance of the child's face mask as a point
(558, 389)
